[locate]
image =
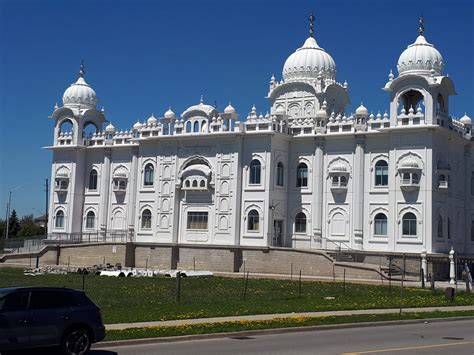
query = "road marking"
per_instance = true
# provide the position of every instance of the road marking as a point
(409, 348)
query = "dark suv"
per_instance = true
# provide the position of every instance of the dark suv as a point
(33, 317)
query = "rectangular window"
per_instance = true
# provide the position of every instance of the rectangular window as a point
(409, 227)
(380, 227)
(197, 220)
(381, 176)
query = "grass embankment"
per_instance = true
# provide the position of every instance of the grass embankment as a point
(292, 322)
(125, 300)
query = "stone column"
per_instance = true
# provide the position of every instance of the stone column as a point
(452, 273)
(134, 183)
(318, 192)
(424, 264)
(358, 185)
(105, 192)
(467, 199)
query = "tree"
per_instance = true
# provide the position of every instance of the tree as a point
(3, 226)
(28, 227)
(13, 225)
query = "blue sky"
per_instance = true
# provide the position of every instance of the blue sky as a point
(143, 56)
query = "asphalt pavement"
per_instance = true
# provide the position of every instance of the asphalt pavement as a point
(446, 337)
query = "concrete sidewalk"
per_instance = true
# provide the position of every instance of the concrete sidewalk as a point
(260, 317)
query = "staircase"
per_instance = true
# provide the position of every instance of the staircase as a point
(341, 256)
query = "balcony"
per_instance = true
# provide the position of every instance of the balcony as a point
(61, 185)
(119, 186)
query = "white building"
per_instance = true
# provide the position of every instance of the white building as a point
(306, 175)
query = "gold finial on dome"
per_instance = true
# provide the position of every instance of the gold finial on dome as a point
(421, 28)
(311, 19)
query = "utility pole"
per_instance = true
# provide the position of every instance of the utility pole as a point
(46, 190)
(8, 209)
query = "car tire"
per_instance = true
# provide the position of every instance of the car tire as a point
(76, 341)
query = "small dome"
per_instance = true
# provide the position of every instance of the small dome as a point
(362, 110)
(280, 111)
(410, 163)
(137, 125)
(321, 113)
(339, 167)
(229, 109)
(466, 120)
(152, 120)
(420, 58)
(170, 115)
(79, 93)
(110, 128)
(308, 62)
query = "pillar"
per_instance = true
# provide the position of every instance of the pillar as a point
(358, 185)
(318, 192)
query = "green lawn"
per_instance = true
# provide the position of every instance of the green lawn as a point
(225, 327)
(151, 299)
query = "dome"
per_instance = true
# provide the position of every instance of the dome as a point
(79, 93)
(339, 167)
(170, 115)
(110, 128)
(466, 120)
(308, 62)
(321, 113)
(420, 57)
(229, 109)
(280, 111)
(362, 110)
(410, 163)
(152, 120)
(137, 125)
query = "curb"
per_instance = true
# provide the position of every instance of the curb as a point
(172, 339)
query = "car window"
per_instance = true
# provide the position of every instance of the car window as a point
(49, 299)
(15, 301)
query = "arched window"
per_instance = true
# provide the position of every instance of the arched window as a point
(253, 221)
(188, 127)
(187, 183)
(149, 175)
(302, 175)
(441, 178)
(300, 223)
(381, 173)
(335, 180)
(280, 174)
(146, 219)
(440, 226)
(409, 224)
(380, 224)
(93, 180)
(59, 222)
(196, 127)
(90, 220)
(255, 171)
(202, 183)
(195, 183)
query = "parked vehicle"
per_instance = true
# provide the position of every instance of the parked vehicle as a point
(32, 317)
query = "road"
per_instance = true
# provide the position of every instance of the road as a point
(452, 337)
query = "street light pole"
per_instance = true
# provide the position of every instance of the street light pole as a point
(8, 209)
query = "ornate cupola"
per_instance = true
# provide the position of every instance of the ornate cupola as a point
(421, 57)
(80, 94)
(78, 119)
(420, 93)
(309, 79)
